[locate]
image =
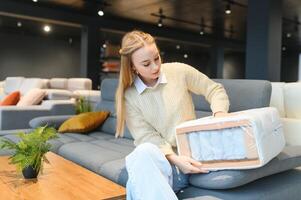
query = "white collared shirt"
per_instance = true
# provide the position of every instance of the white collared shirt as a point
(140, 86)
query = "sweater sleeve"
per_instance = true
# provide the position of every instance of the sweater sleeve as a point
(214, 93)
(143, 132)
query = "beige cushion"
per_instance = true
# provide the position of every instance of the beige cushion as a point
(292, 100)
(277, 98)
(46, 83)
(58, 83)
(33, 97)
(90, 95)
(31, 83)
(292, 131)
(12, 84)
(79, 84)
(57, 94)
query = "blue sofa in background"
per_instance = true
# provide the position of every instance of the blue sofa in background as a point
(100, 152)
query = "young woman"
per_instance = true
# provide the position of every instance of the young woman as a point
(152, 98)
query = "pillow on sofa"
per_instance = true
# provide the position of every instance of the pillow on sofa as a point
(84, 122)
(54, 121)
(289, 158)
(33, 97)
(11, 99)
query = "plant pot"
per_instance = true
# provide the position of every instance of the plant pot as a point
(29, 172)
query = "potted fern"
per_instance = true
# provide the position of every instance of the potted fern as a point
(29, 153)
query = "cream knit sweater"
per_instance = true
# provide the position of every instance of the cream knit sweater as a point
(153, 115)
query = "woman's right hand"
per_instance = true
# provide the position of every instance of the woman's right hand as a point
(186, 164)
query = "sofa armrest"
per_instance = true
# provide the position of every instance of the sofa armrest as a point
(292, 131)
(17, 117)
(13, 117)
(54, 121)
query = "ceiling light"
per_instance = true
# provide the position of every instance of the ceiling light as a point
(47, 28)
(160, 23)
(228, 9)
(178, 47)
(283, 48)
(35, 0)
(288, 35)
(70, 40)
(101, 13)
(185, 55)
(19, 24)
(104, 46)
(202, 31)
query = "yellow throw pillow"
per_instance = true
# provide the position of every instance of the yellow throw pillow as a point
(84, 122)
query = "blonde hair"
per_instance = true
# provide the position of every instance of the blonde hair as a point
(131, 42)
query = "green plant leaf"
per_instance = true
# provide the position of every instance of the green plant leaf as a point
(31, 149)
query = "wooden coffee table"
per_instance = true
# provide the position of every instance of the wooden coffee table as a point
(62, 179)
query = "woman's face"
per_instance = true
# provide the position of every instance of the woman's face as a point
(147, 62)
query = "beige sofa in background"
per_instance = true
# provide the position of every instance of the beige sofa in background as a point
(60, 99)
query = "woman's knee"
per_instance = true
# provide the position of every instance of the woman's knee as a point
(148, 149)
(150, 155)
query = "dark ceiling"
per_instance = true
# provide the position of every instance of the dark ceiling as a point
(215, 21)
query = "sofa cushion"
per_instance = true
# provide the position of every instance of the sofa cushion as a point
(292, 130)
(11, 99)
(33, 97)
(292, 102)
(58, 94)
(108, 89)
(13, 84)
(115, 171)
(90, 156)
(31, 83)
(79, 84)
(289, 158)
(84, 122)
(257, 95)
(58, 83)
(285, 185)
(53, 121)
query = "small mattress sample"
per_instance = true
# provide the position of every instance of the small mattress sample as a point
(242, 140)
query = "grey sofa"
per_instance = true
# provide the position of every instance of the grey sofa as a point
(100, 152)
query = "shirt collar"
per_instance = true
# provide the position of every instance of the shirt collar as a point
(140, 86)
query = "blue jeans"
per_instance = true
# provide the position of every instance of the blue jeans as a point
(151, 176)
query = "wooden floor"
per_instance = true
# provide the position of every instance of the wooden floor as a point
(61, 179)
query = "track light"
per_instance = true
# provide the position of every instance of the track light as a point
(100, 6)
(101, 13)
(160, 23)
(202, 27)
(47, 28)
(288, 35)
(228, 9)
